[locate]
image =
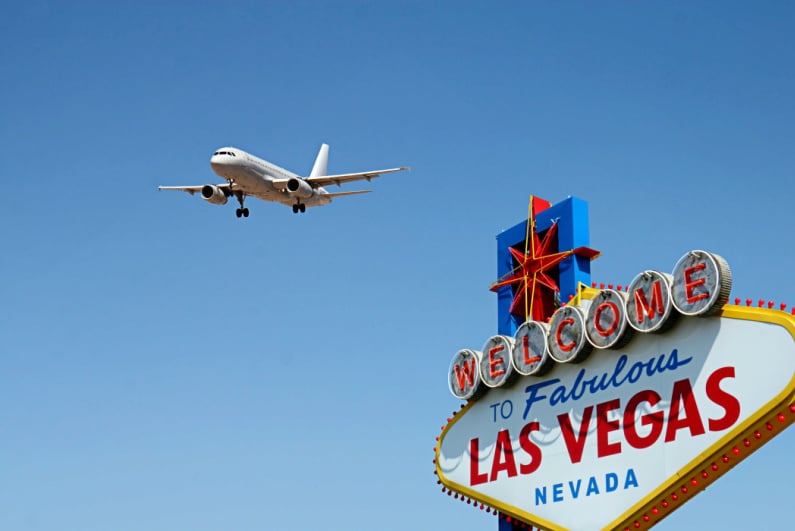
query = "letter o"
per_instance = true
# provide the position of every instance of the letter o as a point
(606, 321)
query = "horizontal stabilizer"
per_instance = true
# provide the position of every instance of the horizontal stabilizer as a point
(194, 189)
(340, 194)
(191, 189)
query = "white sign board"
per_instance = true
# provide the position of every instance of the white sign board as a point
(633, 433)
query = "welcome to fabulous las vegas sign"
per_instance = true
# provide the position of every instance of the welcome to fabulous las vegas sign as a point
(622, 405)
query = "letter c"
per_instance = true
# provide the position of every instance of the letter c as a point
(565, 347)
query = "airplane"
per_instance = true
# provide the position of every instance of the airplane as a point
(247, 175)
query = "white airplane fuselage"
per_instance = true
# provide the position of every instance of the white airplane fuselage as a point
(255, 177)
(247, 175)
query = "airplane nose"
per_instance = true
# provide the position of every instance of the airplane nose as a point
(218, 161)
(223, 161)
(219, 164)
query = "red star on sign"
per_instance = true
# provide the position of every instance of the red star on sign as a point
(533, 288)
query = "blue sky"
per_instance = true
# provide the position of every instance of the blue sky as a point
(165, 365)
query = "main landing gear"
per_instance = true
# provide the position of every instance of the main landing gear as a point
(299, 207)
(242, 211)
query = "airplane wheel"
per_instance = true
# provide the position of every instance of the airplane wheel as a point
(245, 212)
(238, 213)
(302, 208)
(295, 209)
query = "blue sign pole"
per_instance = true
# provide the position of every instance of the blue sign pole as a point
(571, 217)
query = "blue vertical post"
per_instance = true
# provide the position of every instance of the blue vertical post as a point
(571, 216)
(504, 525)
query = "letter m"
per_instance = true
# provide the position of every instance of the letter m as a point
(465, 374)
(644, 308)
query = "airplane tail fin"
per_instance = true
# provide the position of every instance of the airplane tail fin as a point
(321, 162)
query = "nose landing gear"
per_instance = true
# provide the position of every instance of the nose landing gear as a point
(242, 211)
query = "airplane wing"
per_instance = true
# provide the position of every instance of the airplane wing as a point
(193, 189)
(324, 180)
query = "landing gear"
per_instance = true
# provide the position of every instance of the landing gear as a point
(299, 207)
(242, 211)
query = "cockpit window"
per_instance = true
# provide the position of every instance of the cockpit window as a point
(231, 154)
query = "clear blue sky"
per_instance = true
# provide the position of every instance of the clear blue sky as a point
(165, 365)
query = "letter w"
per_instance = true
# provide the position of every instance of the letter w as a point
(465, 374)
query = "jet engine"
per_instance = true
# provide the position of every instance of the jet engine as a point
(300, 188)
(213, 194)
